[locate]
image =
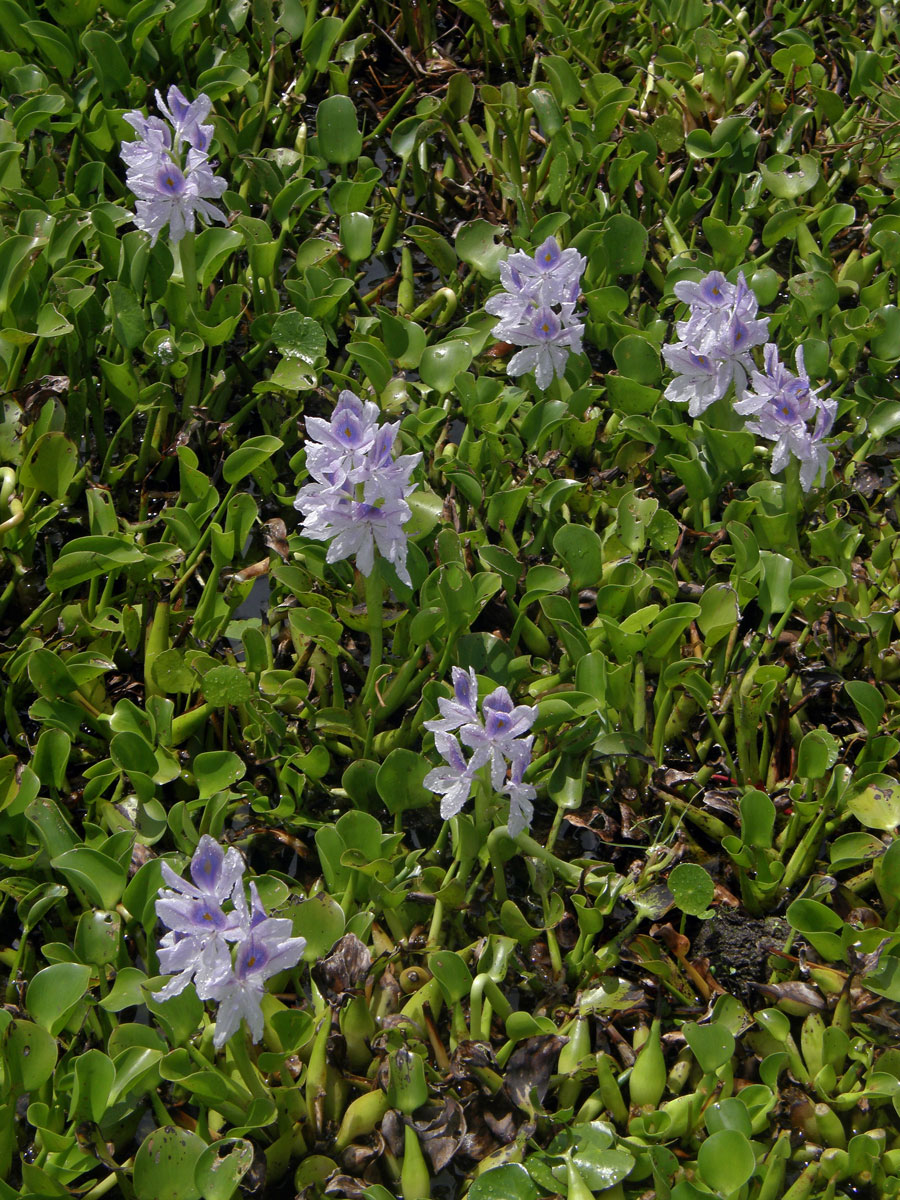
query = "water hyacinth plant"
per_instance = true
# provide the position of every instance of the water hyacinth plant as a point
(357, 500)
(715, 342)
(537, 310)
(168, 167)
(498, 739)
(227, 956)
(715, 352)
(784, 405)
(557, 716)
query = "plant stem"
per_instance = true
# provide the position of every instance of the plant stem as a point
(375, 614)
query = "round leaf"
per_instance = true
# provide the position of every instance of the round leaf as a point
(692, 888)
(637, 359)
(509, 1182)
(440, 365)
(30, 1055)
(320, 920)
(221, 1167)
(217, 770)
(476, 246)
(252, 454)
(226, 685)
(878, 805)
(726, 1161)
(625, 242)
(338, 131)
(582, 553)
(711, 1045)
(399, 781)
(165, 1165)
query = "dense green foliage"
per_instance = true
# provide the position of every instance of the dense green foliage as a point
(682, 983)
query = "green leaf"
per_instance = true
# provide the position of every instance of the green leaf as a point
(128, 321)
(637, 359)
(399, 781)
(54, 992)
(72, 13)
(440, 364)
(356, 235)
(453, 976)
(817, 754)
(625, 242)
(50, 465)
(718, 612)
(252, 454)
(97, 937)
(106, 59)
(87, 557)
(726, 1161)
(869, 702)
(17, 254)
(55, 46)
(298, 337)
(337, 128)
(221, 1167)
(789, 58)
(320, 920)
(787, 177)
(95, 1077)
(101, 877)
(130, 752)
(886, 342)
(712, 1045)
(213, 248)
(126, 990)
(476, 245)
(820, 925)
(692, 889)
(581, 551)
(29, 1054)
(407, 1089)
(217, 770)
(165, 1165)
(508, 1182)
(816, 291)
(225, 685)
(877, 806)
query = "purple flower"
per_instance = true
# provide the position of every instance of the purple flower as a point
(713, 292)
(497, 740)
(521, 797)
(701, 380)
(715, 341)
(191, 958)
(187, 118)
(500, 739)
(550, 271)
(196, 948)
(338, 449)
(215, 873)
(239, 992)
(462, 709)
(356, 528)
(454, 780)
(547, 341)
(357, 499)
(172, 188)
(783, 405)
(536, 310)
